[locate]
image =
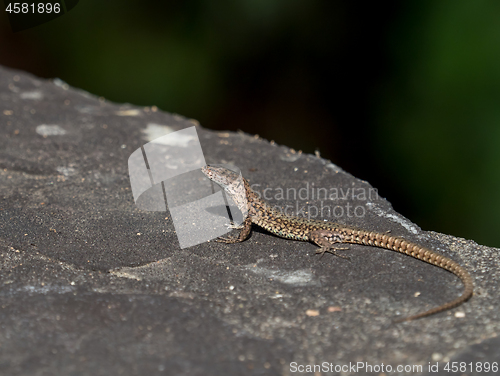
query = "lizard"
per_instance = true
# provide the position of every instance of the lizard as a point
(326, 234)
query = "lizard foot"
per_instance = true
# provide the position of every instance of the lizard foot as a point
(333, 251)
(235, 226)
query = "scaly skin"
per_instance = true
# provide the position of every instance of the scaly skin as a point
(326, 234)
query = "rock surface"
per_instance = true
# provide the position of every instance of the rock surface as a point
(92, 285)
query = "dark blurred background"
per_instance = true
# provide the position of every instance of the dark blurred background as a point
(404, 94)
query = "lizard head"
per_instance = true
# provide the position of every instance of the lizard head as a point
(232, 183)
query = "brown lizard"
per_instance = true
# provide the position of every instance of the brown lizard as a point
(326, 234)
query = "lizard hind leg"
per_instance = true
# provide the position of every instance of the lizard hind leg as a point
(327, 240)
(333, 251)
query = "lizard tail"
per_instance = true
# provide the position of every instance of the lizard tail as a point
(424, 254)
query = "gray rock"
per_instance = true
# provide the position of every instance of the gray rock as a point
(92, 285)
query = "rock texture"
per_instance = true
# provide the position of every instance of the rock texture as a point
(92, 285)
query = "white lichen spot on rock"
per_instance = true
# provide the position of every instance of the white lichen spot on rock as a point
(50, 130)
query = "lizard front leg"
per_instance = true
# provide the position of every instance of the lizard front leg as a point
(246, 229)
(326, 240)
